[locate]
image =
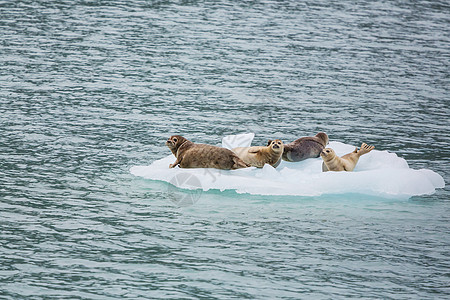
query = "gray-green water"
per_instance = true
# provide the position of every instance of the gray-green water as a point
(90, 88)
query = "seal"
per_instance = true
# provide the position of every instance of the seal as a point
(258, 156)
(332, 162)
(191, 155)
(305, 147)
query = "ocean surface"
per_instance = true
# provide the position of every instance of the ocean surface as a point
(89, 89)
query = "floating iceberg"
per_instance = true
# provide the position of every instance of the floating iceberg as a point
(378, 173)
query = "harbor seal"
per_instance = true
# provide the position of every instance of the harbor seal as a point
(191, 155)
(305, 147)
(332, 162)
(257, 156)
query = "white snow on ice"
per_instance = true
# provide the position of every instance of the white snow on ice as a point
(378, 173)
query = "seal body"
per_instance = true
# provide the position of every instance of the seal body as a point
(305, 147)
(258, 156)
(191, 155)
(332, 162)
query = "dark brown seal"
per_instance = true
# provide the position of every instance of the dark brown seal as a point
(305, 147)
(191, 155)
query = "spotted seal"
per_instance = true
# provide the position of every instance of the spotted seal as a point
(332, 162)
(191, 155)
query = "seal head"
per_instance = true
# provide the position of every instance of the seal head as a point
(174, 142)
(322, 136)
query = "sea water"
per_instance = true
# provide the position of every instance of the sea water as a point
(91, 89)
(377, 173)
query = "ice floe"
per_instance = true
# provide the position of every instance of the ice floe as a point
(378, 173)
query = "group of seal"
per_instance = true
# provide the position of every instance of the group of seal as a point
(191, 155)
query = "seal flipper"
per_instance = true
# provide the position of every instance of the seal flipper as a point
(239, 164)
(277, 163)
(176, 163)
(365, 149)
(324, 167)
(287, 153)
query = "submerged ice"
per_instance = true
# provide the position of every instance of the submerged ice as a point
(378, 173)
